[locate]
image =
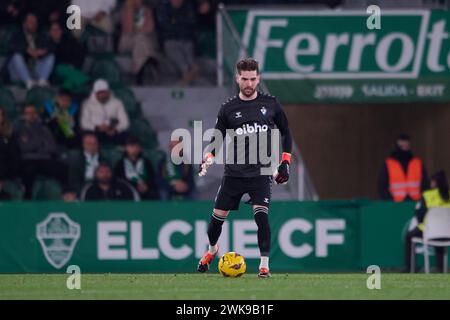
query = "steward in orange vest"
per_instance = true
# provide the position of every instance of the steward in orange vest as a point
(403, 176)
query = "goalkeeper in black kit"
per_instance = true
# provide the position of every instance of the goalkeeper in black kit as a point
(249, 113)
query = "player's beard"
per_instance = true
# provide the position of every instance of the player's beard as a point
(248, 91)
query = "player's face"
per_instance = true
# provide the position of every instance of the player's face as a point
(247, 81)
(404, 145)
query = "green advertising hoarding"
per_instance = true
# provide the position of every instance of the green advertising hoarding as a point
(332, 56)
(171, 236)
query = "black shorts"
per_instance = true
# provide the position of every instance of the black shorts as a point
(232, 189)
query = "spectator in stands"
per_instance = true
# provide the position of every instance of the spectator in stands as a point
(138, 170)
(179, 177)
(403, 176)
(82, 165)
(49, 11)
(32, 58)
(105, 115)
(66, 48)
(8, 149)
(138, 36)
(107, 187)
(177, 24)
(97, 13)
(61, 116)
(70, 196)
(437, 196)
(11, 11)
(69, 58)
(38, 151)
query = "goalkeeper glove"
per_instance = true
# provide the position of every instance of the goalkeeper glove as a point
(206, 163)
(282, 173)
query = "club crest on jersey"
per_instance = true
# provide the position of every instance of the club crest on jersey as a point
(263, 111)
(238, 115)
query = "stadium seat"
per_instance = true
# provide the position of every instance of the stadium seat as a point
(39, 96)
(97, 41)
(157, 157)
(8, 102)
(108, 69)
(46, 189)
(436, 234)
(14, 188)
(142, 129)
(128, 98)
(112, 155)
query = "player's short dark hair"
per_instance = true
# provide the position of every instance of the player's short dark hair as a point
(404, 137)
(247, 64)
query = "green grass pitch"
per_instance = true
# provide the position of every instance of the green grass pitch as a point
(213, 286)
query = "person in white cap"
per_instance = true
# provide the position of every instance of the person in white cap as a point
(105, 115)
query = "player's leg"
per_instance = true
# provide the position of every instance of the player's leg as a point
(218, 217)
(260, 195)
(228, 197)
(261, 215)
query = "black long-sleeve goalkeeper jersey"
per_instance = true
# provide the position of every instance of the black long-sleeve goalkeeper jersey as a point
(248, 121)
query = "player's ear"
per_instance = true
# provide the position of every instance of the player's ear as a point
(237, 78)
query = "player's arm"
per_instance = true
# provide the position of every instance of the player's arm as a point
(282, 174)
(208, 158)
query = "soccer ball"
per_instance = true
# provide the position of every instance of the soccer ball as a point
(232, 264)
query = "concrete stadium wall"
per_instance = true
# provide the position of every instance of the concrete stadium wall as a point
(344, 145)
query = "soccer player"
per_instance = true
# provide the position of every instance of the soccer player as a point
(250, 112)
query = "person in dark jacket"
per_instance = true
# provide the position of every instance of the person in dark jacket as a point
(8, 149)
(83, 163)
(38, 151)
(415, 178)
(107, 187)
(176, 24)
(138, 170)
(32, 60)
(8, 154)
(66, 48)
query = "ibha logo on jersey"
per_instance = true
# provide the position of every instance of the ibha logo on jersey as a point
(255, 128)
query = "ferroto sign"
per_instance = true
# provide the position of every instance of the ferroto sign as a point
(333, 45)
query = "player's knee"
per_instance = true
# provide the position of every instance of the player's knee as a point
(221, 213)
(261, 216)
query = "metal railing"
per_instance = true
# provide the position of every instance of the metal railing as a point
(303, 187)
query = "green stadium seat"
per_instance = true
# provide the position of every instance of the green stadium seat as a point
(14, 188)
(39, 96)
(128, 98)
(112, 155)
(107, 69)
(46, 189)
(156, 156)
(8, 102)
(98, 42)
(142, 129)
